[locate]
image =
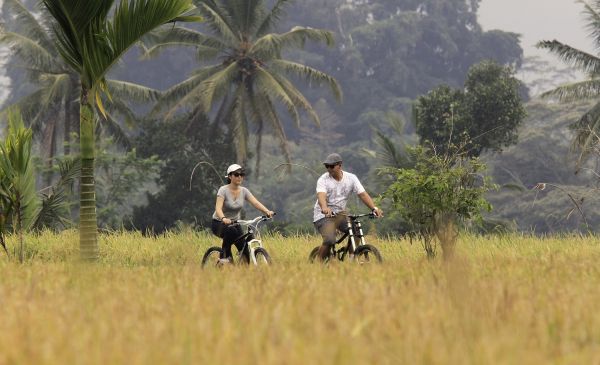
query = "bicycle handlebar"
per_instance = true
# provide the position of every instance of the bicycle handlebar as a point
(260, 218)
(355, 216)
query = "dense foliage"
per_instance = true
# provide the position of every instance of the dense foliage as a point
(181, 196)
(484, 116)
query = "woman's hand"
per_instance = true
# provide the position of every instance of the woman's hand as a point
(269, 213)
(226, 221)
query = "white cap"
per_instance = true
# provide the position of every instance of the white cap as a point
(233, 168)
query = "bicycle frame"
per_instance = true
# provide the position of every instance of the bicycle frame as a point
(354, 224)
(253, 233)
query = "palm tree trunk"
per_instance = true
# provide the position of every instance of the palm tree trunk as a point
(88, 225)
(18, 227)
(67, 131)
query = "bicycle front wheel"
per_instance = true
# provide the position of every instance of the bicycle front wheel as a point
(367, 254)
(211, 258)
(262, 257)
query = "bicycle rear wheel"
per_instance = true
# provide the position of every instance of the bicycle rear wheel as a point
(262, 257)
(211, 258)
(367, 254)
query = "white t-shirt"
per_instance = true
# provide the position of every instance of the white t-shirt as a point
(338, 192)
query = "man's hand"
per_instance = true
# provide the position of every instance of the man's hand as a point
(327, 211)
(378, 212)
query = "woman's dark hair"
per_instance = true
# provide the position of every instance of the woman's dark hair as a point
(228, 179)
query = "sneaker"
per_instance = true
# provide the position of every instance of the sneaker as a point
(224, 262)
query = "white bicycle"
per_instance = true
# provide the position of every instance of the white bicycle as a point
(257, 254)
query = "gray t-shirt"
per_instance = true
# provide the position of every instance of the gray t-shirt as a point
(232, 208)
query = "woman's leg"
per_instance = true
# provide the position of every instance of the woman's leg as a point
(242, 247)
(230, 233)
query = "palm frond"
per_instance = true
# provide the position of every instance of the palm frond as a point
(184, 94)
(593, 24)
(584, 61)
(576, 91)
(587, 130)
(119, 108)
(53, 210)
(244, 14)
(110, 126)
(310, 74)
(272, 18)
(182, 35)
(28, 26)
(76, 24)
(219, 21)
(28, 50)
(270, 45)
(269, 85)
(297, 98)
(56, 87)
(131, 91)
(267, 110)
(217, 85)
(203, 52)
(132, 20)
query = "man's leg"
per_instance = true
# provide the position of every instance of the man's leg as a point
(326, 227)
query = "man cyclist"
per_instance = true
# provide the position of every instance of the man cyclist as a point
(333, 190)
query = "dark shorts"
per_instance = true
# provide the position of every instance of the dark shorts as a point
(328, 227)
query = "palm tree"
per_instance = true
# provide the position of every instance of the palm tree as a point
(249, 77)
(90, 44)
(56, 84)
(19, 202)
(587, 128)
(21, 207)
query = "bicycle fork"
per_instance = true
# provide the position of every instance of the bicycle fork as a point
(355, 231)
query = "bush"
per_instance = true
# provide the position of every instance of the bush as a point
(438, 193)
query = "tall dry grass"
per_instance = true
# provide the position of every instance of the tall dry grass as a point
(504, 300)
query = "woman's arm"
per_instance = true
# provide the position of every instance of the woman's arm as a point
(219, 210)
(258, 205)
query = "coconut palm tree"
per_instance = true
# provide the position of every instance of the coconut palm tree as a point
(587, 128)
(56, 84)
(248, 77)
(90, 44)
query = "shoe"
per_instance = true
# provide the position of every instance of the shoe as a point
(223, 262)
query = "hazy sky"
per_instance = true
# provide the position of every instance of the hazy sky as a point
(537, 20)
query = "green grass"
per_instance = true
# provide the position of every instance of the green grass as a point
(505, 300)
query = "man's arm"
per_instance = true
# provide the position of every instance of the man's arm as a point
(322, 199)
(366, 199)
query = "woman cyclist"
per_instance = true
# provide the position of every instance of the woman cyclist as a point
(228, 207)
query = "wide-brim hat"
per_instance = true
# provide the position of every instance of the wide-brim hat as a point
(233, 168)
(333, 159)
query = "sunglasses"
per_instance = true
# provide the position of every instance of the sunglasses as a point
(237, 174)
(328, 166)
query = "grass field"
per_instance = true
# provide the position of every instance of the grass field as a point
(505, 300)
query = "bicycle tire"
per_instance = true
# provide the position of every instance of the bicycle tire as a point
(211, 257)
(262, 257)
(366, 253)
(313, 256)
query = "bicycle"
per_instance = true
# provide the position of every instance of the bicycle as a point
(257, 254)
(360, 252)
